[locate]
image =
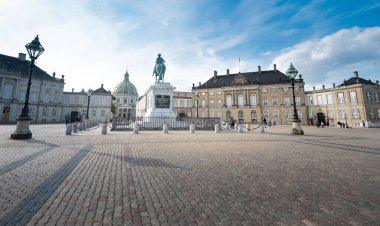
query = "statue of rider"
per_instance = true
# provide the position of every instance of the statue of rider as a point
(159, 68)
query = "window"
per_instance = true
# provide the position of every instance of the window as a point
(274, 90)
(377, 97)
(181, 103)
(319, 100)
(353, 98)
(66, 100)
(253, 116)
(211, 103)
(93, 113)
(253, 100)
(310, 100)
(218, 93)
(355, 113)
(298, 101)
(84, 112)
(299, 112)
(296, 88)
(265, 101)
(175, 103)
(31, 111)
(329, 99)
(285, 89)
(241, 100)
(228, 114)
(241, 116)
(219, 103)
(378, 113)
(203, 103)
(311, 114)
(203, 93)
(56, 98)
(229, 101)
(46, 98)
(331, 114)
(212, 113)
(189, 103)
(372, 113)
(203, 113)
(76, 100)
(211, 93)
(286, 101)
(276, 113)
(287, 113)
(266, 114)
(103, 113)
(274, 101)
(342, 114)
(7, 91)
(368, 94)
(264, 90)
(54, 113)
(22, 95)
(340, 98)
(44, 111)
(33, 97)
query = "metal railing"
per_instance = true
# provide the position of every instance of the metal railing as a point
(156, 123)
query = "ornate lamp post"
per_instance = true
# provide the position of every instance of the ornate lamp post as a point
(197, 100)
(34, 49)
(292, 73)
(89, 92)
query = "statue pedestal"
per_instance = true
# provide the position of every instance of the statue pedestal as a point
(160, 100)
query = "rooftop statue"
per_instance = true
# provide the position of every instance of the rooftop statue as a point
(159, 69)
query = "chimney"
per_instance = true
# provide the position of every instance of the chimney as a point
(72, 90)
(334, 84)
(356, 74)
(300, 76)
(193, 85)
(22, 56)
(63, 76)
(345, 82)
(200, 84)
(323, 86)
(228, 71)
(259, 68)
(101, 86)
(215, 74)
(377, 82)
(274, 68)
(82, 90)
(53, 74)
(314, 88)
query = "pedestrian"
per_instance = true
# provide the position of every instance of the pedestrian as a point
(67, 119)
(363, 123)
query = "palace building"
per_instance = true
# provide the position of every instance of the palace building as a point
(250, 97)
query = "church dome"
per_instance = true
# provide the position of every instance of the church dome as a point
(125, 86)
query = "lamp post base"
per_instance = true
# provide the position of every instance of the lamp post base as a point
(22, 130)
(297, 130)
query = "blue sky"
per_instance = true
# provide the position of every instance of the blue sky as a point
(94, 42)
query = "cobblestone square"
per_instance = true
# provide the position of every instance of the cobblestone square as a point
(329, 176)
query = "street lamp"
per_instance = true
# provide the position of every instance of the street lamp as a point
(89, 92)
(197, 100)
(292, 73)
(34, 49)
(345, 117)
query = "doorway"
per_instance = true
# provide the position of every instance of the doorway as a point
(5, 115)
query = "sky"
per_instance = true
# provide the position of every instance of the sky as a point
(93, 42)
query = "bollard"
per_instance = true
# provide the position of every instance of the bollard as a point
(165, 128)
(84, 126)
(69, 127)
(217, 129)
(104, 129)
(80, 128)
(262, 129)
(240, 128)
(75, 128)
(248, 127)
(236, 126)
(192, 129)
(136, 128)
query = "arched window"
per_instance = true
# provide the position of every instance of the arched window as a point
(241, 116)
(253, 116)
(7, 92)
(228, 114)
(228, 101)
(241, 100)
(253, 100)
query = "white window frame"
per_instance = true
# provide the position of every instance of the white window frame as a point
(353, 98)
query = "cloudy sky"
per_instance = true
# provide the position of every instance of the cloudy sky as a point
(95, 41)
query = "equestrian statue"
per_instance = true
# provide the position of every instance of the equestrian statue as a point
(159, 69)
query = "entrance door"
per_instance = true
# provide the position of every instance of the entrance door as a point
(5, 115)
(320, 118)
(74, 116)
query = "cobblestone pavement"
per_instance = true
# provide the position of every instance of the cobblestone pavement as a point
(329, 176)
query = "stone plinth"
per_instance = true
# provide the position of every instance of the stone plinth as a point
(160, 100)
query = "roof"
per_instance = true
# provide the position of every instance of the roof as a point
(248, 78)
(101, 90)
(21, 67)
(125, 86)
(356, 80)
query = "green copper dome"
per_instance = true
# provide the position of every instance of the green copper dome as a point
(126, 86)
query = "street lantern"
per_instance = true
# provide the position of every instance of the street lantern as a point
(35, 49)
(89, 93)
(292, 73)
(197, 100)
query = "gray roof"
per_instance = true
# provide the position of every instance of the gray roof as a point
(14, 64)
(356, 80)
(247, 78)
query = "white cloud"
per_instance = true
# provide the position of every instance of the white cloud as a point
(334, 57)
